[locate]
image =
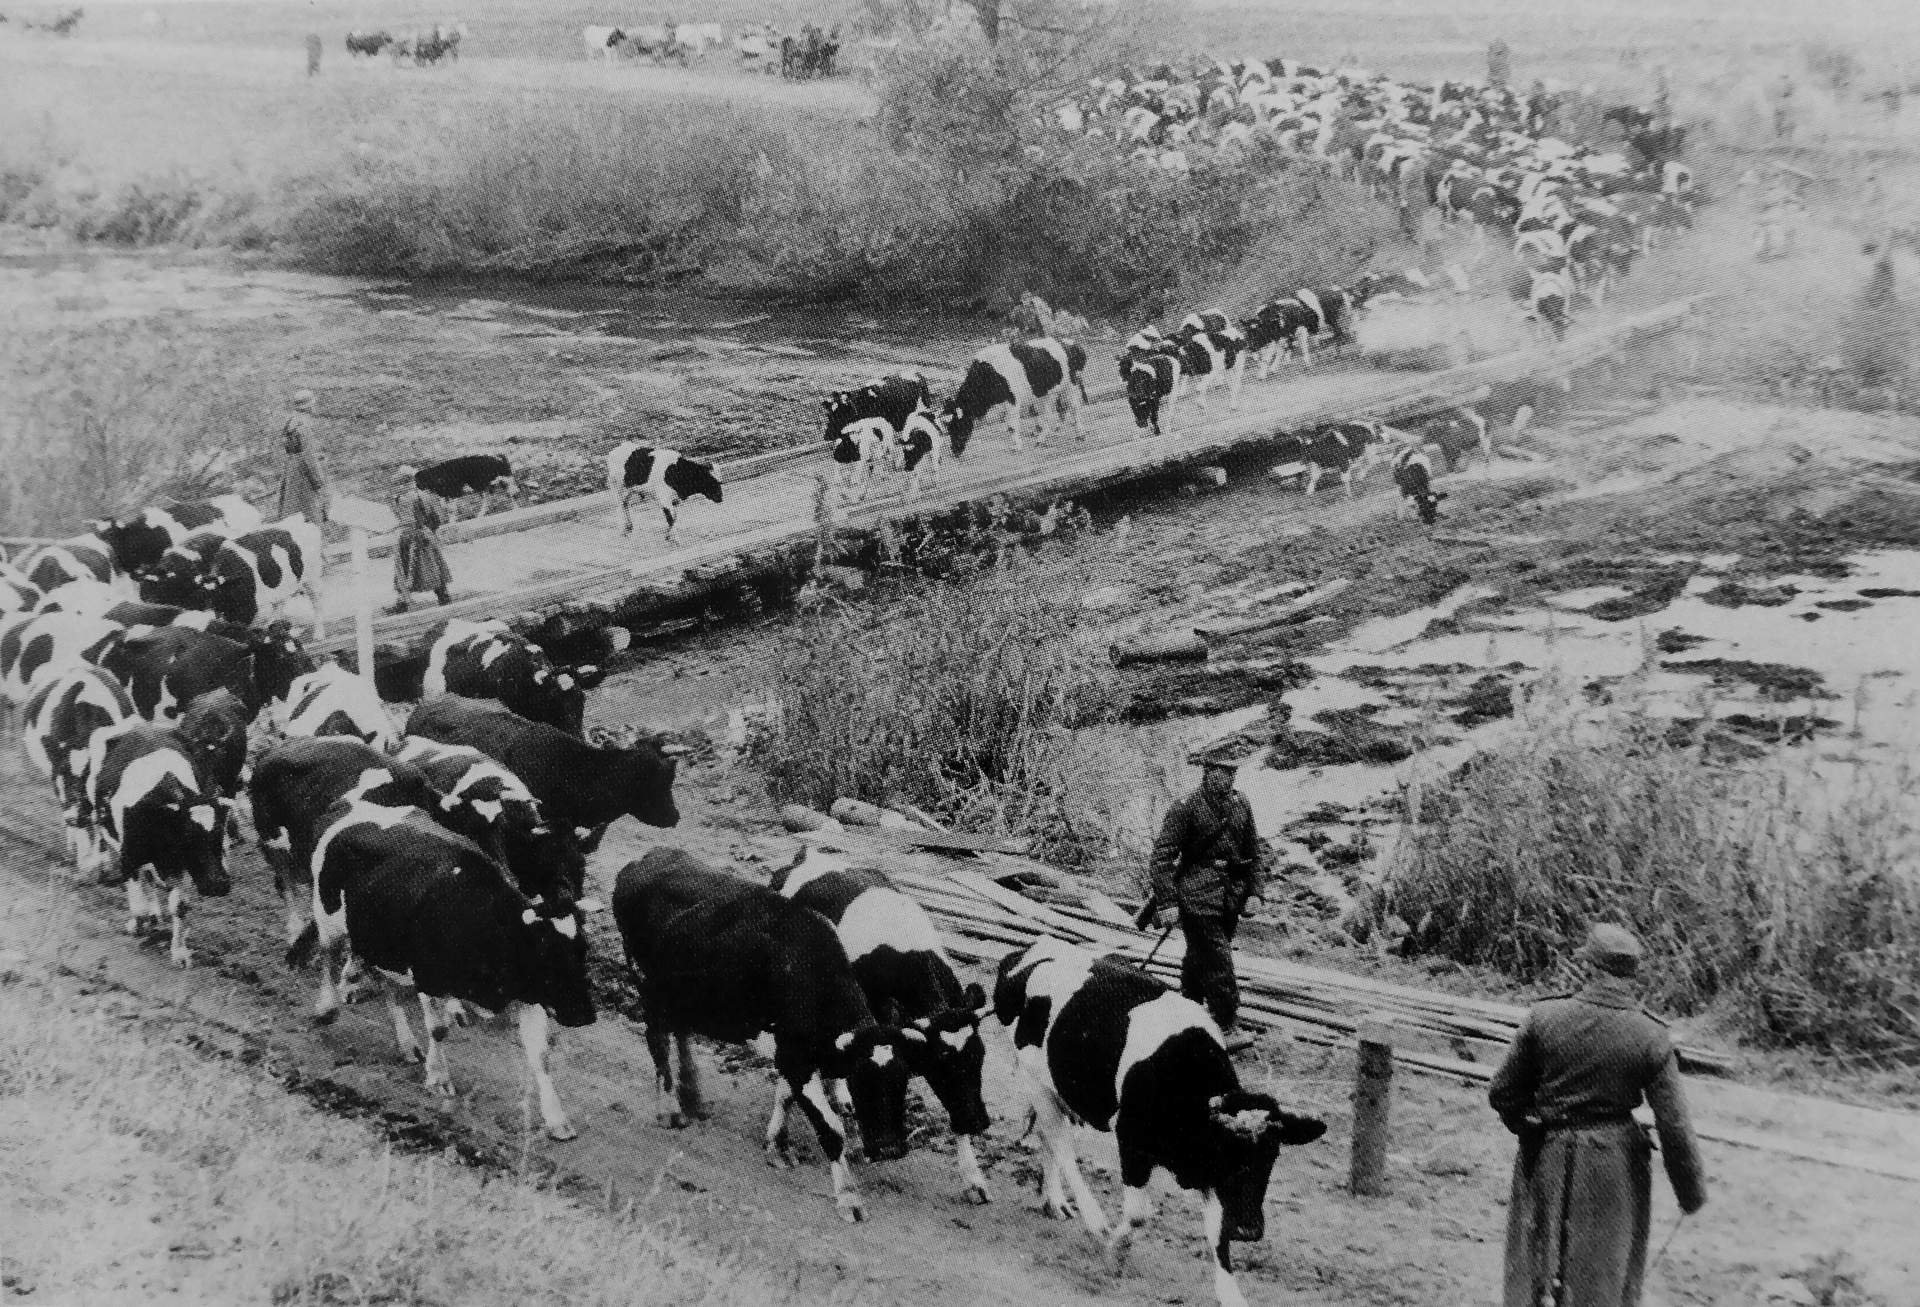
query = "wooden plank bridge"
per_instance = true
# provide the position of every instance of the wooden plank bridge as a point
(570, 554)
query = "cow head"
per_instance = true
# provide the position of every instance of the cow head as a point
(556, 930)
(1428, 506)
(177, 578)
(136, 545)
(876, 1063)
(543, 692)
(648, 769)
(958, 424)
(950, 1060)
(1143, 396)
(840, 411)
(179, 830)
(545, 858)
(1244, 1134)
(688, 478)
(279, 659)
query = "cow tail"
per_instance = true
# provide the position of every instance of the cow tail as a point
(301, 951)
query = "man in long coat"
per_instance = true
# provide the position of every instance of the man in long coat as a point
(1582, 1182)
(303, 485)
(1204, 864)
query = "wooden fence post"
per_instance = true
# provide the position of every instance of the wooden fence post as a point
(1372, 1099)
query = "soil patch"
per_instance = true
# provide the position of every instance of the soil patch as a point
(1674, 640)
(1351, 737)
(1169, 692)
(1775, 681)
(1488, 699)
(1739, 594)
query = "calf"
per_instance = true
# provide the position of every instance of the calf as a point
(1344, 449)
(155, 808)
(892, 397)
(330, 700)
(1102, 1044)
(670, 478)
(581, 787)
(857, 450)
(46, 644)
(1150, 380)
(135, 544)
(1413, 475)
(907, 978)
(63, 716)
(917, 445)
(717, 956)
(544, 860)
(166, 667)
(433, 915)
(483, 474)
(1038, 375)
(73, 559)
(484, 660)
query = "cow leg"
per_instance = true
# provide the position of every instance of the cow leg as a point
(1521, 417)
(439, 1079)
(1013, 430)
(691, 1105)
(663, 1079)
(623, 510)
(668, 514)
(136, 905)
(778, 1147)
(1213, 1226)
(177, 917)
(1062, 1163)
(1313, 476)
(402, 1031)
(973, 1182)
(832, 1133)
(532, 1019)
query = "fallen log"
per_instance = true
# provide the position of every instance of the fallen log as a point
(1167, 647)
(797, 817)
(1285, 613)
(855, 812)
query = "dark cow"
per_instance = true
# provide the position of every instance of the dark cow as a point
(136, 543)
(214, 727)
(669, 477)
(582, 787)
(1150, 380)
(46, 644)
(178, 579)
(367, 43)
(330, 700)
(1038, 375)
(1332, 313)
(156, 808)
(72, 559)
(1342, 449)
(435, 916)
(63, 716)
(1457, 435)
(166, 667)
(1103, 1044)
(484, 660)
(1413, 476)
(718, 956)
(907, 977)
(297, 781)
(1280, 325)
(892, 397)
(483, 474)
(544, 859)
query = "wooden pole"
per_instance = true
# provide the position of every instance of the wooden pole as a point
(363, 613)
(1372, 1099)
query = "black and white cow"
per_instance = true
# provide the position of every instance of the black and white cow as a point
(63, 716)
(909, 980)
(243, 577)
(137, 543)
(858, 450)
(296, 782)
(134, 612)
(917, 446)
(178, 579)
(1331, 309)
(1036, 375)
(433, 915)
(1212, 359)
(17, 594)
(87, 596)
(544, 859)
(158, 818)
(46, 644)
(668, 477)
(580, 786)
(1100, 1043)
(1279, 326)
(1458, 434)
(1210, 320)
(1342, 449)
(1413, 476)
(1550, 300)
(892, 398)
(1151, 379)
(330, 700)
(484, 660)
(72, 559)
(214, 727)
(486, 475)
(166, 667)
(721, 957)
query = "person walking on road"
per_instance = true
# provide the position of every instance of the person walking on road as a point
(313, 54)
(1580, 1064)
(1204, 865)
(303, 485)
(418, 562)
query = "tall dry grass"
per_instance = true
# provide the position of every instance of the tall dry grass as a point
(1785, 896)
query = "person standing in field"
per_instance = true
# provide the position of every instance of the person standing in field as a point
(303, 485)
(1499, 63)
(1204, 865)
(1580, 1064)
(313, 54)
(419, 564)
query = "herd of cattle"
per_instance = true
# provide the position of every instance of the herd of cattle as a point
(812, 53)
(429, 46)
(446, 862)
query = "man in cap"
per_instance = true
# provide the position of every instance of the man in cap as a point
(1582, 1185)
(1205, 864)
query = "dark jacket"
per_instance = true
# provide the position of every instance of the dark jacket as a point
(1207, 856)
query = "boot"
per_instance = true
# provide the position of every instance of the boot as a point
(398, 606)
(442, 595)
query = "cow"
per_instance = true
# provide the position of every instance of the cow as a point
(667, 476)
(917, 446)
(656, 42)
(1413, 476)
(1210, 320)
(698, 38)
(136, 612)
(135, 544)
(860, 447)
(157, 817)
(17, 594)
(1457, 434)
(581, 787)
(45, 644)
(1037, 375)
(177, 580)
(907, 976)
(1344, 449)
(369, 44)
(1549, 296)
(1331, 311)
(602, 43)
(62, 716)
(484, 660)
(718, 956)
(241, 577)
(483, 474)
(1150, 380)
(543, 859)
(166, 667)
(1281, 325)
(73, 559)
(1105, 1045)
(86, 596)
(214, 727)
(1212, 358)
(431, 914)
(330, 700)
(892, 397)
